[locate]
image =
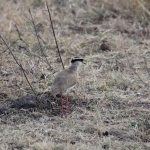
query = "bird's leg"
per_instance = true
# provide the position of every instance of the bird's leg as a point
(66, 105)
(61, 103)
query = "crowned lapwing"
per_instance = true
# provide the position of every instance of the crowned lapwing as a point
(65, 81)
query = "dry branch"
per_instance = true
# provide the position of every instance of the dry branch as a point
(19, 65)
(54, 34)
(10, 46)
(39, 39)
(144, 8)
(20, 35)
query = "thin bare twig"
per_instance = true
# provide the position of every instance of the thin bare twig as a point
(23, 14)
(42, 39)
(19, 33)
(146, 84)
(39, 39)
(10, 46)
(21, 39)
(19, 65)
(143, 7)
(54, 35)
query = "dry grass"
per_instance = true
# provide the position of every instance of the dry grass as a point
(116, 83)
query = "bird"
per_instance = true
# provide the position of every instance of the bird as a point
(65, 80)
(104, 46)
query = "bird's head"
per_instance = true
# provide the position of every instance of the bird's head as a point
(76, 59)
(75, 62)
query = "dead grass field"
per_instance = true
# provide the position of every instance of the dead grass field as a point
(110, 108)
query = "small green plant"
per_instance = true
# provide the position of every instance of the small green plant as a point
(132, 123)
(14, 110)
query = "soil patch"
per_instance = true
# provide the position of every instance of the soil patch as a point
(45, 103)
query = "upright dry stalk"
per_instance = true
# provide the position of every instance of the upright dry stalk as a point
(38, 39)
(143, 7)
(14, 42)
(54, 35)
(20, 35)
(19, 65)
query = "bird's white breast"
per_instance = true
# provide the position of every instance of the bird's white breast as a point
(69, 89)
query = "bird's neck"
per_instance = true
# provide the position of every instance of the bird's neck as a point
(73, 67)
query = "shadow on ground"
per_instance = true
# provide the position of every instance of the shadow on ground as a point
(44, 103)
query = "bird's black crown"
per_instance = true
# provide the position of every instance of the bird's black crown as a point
(74, 59)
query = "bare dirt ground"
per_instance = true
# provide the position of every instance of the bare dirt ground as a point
(110, 106)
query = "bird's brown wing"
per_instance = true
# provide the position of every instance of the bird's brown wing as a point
(63, 81)
(60, 80)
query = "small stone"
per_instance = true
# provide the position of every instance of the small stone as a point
(104, 47)
(72, 142)
(4, 111)
(105, 146)
(43, 76)
(105, 133)
(99, 134)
